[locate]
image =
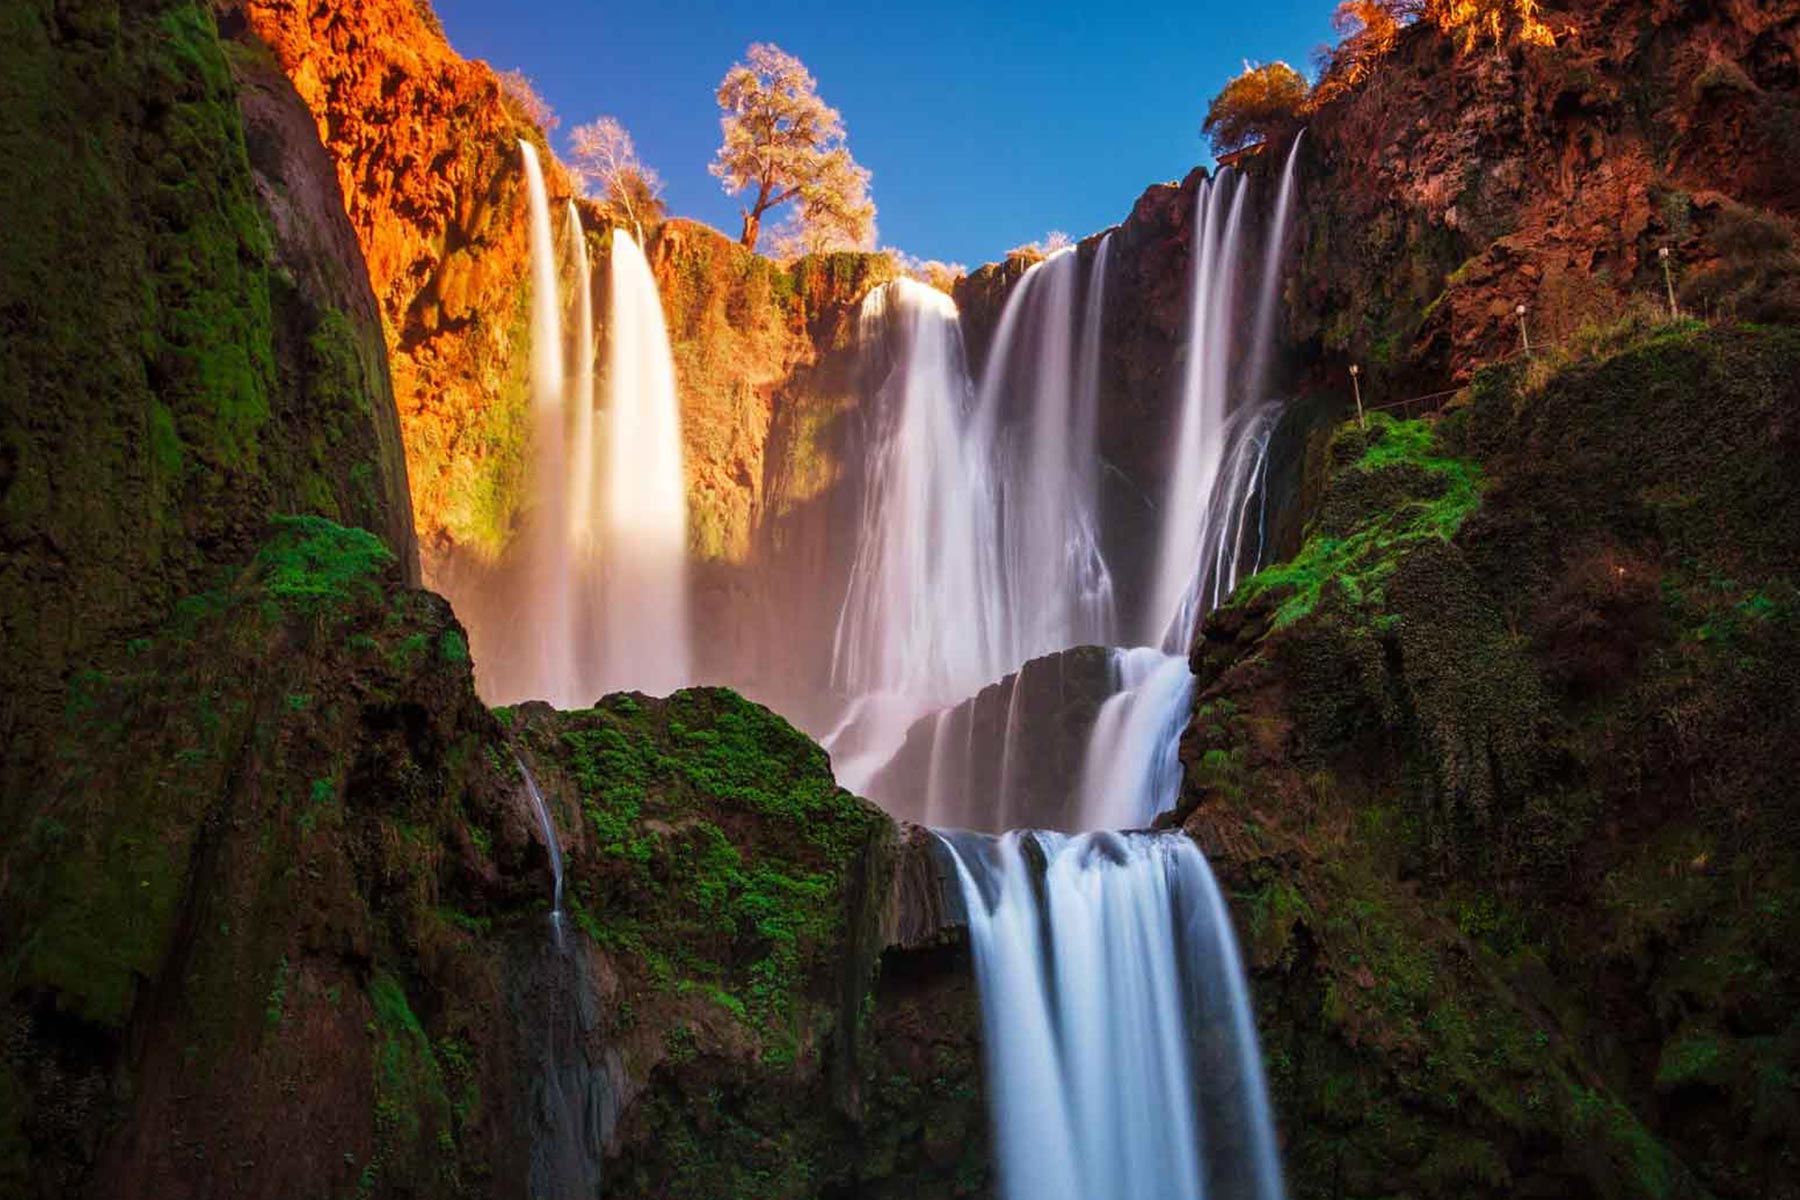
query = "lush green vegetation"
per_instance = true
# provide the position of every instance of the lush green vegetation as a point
(1393, 488)
(315, 566)
(725, 850)
(1507, 751)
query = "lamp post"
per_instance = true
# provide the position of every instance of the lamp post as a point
(1524, 332)
(1669, 283)
(1356, 385)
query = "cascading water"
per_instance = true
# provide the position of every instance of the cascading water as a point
(978, 548)
(1197, 447)
(1263, 344)
(1189, 567)
(1122, 1057)
(548, 600)
(922, 611)
(1122, 1060)
(1057, 587)
(582, 445)
(547, 827)
(643, 579)
(1121, 1052)
(1132, 771)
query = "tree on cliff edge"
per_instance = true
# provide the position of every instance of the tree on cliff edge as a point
(1264, 102)
(605, 158)
(784, 144)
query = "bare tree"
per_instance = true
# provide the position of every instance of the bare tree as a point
(783, 143)
(522, 95)
(607, 162)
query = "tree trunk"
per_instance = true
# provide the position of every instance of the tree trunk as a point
(752, 230)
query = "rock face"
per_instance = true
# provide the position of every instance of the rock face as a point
(1451, 189)
(1009, 757)
(284, 904)
(186, 349)
(1499, 769)
(426, 149)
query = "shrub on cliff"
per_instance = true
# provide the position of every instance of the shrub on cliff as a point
(1261, 105)
(1371, 28)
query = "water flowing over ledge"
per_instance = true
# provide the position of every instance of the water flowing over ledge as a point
(593, 598)
(1122, 1054)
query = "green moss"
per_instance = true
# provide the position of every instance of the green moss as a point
(316, 566)
(453, 647)
(411, 1108)
(1427, 495)
(726, 850)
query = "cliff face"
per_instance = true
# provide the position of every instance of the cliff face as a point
(187, 347)
(1498, 767)
(749, 337)
(426, 150)
(1449, 189)
(281, 928)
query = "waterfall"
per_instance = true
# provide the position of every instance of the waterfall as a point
(594, 596)
(1262, 346)
(1196, 447)
(923, 610)
(1043, 370)
(1122, 1060)
(1189, 564)
(643, 577)
(547, 609)
(978, 547)
(1132, 771)
(582, 456)
(547, 827)
(1235, 535)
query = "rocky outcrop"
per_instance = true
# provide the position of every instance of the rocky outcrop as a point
(772, 392)
(184, 350)
(1009, 757)
(281, 927)
(1449, 189)
(426, 149)
(748, 336)
(1497, 767)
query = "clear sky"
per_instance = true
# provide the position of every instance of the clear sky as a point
(986, 125)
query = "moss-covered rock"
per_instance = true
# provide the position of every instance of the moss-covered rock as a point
(283, 895)
(1496, 766)
(170, 382)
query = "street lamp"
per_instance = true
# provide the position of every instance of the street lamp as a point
(1524, 333)
(1669, 283)
(1356, 384)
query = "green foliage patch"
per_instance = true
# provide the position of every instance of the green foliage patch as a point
(315, 565)
(725, 850)
(1425, 494)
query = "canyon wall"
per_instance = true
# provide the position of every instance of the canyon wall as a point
(188, 347)
(1451, 188)
(1498, 769)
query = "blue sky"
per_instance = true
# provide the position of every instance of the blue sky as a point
(986, 125)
